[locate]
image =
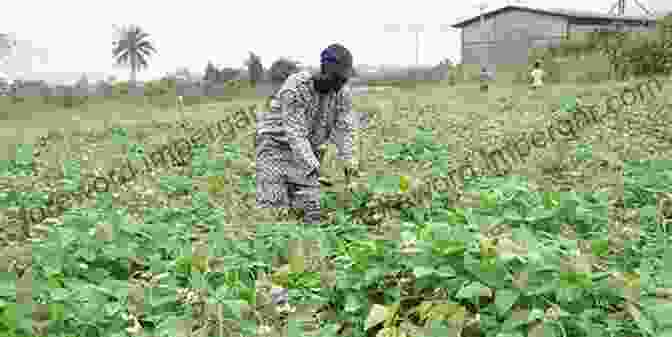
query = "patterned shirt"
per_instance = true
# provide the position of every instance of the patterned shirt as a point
(302, 118)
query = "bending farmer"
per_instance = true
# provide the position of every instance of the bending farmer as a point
(309, 110)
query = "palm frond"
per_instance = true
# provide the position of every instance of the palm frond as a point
(131, 46)
(142, 61)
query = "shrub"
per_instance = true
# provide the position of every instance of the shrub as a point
(210, 73)
(120, 88)
(282, 68)
(227, 74)
(254, 68)
(156, 88)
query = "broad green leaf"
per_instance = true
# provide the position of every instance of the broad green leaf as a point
(7, 284)
(662, 313)
(59, 294)
(473, 290)
(392, 151)
(568, 104)
(171, 326)
(584, 152)
(448, 247)
(24, 154)
(248, 184)
(422, 271)
(505, 299)
(231, 151)
(136, 152)
(446, 271)
(535, 314)
(352, 303)
(488, 200)
(644, 323)
(551, 199)
(667, 266)
(88, 254)
(57, 311)
(510, 334)
(599, 247)
(120, 136)
(233, 307)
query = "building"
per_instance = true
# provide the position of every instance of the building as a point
(505, 35)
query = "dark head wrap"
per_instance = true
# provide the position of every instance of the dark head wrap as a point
(336, 55)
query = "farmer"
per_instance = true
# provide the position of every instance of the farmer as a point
(308, 110)
(182, 84)
(485, 77)
(537, 75)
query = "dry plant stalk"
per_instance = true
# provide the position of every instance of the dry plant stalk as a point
(664, 208)
(64, 156)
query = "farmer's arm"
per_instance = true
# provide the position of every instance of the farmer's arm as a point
(295, 109)
(345, 125)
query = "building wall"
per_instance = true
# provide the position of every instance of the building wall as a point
(507, 37)
(535, 25)
(592, 27)
(475, 32)
(478, 53)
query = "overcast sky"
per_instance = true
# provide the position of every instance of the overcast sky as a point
(58, 40)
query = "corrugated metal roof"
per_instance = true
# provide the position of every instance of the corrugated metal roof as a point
(570, 13)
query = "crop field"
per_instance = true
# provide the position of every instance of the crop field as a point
(572, 240)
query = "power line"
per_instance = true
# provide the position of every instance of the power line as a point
(620, 4)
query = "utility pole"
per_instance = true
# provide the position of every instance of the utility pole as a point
(417, 48)
(417, 29)
(413, 28)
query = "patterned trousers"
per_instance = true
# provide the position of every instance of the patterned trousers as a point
(281, 184)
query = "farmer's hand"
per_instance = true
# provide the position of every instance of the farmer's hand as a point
(319, 153)
(351, 169)
(325, 181)
(316, 174)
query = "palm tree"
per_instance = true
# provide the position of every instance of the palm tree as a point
(7, 47)
(132, 47)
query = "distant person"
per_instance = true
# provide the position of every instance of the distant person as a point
(485, 78)
(6, 86)
(181, 86)
(309, 109)
(537, 76)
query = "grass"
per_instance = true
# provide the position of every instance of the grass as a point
(573, 242)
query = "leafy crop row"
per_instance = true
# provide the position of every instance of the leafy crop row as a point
(519, 263)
